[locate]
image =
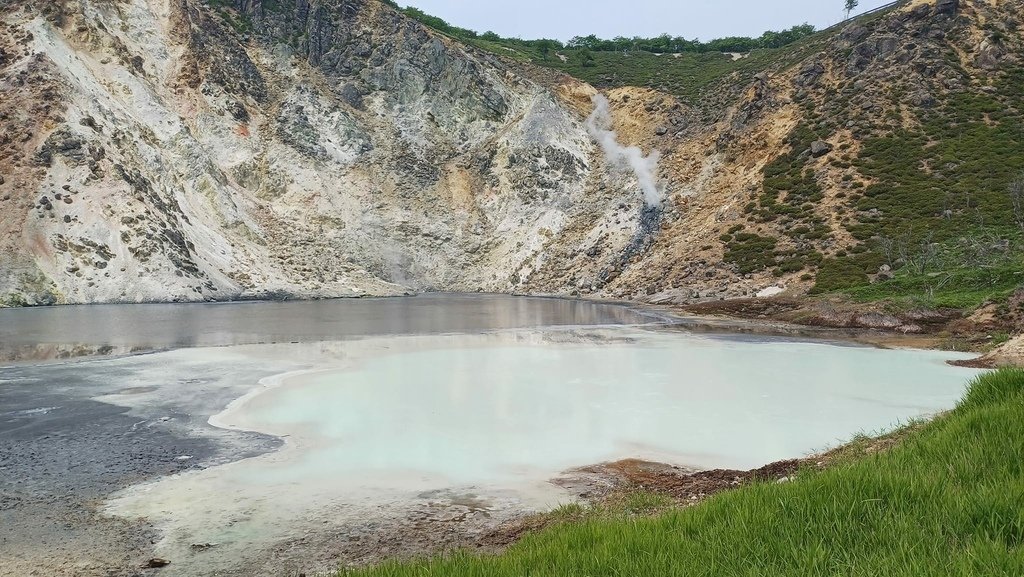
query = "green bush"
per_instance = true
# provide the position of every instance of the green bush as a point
(839, 273)
(751, 252)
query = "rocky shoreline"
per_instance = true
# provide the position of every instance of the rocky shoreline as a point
(984, 330)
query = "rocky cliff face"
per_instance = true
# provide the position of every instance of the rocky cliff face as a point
(181, 150)
(216, 149)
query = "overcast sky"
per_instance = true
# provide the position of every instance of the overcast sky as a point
(704, 19)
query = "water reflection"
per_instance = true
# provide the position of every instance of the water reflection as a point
(58, 332)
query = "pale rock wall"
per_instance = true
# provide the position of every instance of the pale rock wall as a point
(322, 154)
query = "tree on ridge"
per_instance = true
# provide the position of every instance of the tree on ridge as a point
(851, 5)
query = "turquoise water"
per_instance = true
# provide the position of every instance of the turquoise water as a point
(494, 414)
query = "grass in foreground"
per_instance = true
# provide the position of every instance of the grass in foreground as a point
(948, 500)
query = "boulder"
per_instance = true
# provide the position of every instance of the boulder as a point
(887, 45)
(770, 292)
(857, 64)
(820, 148)
(920, 12)
(947, 6)
(65, 143)
(237, 111)
(810, 74)
(904, 57)
(922, 98)
(90, 122)
(854, 33)
(868, 50)
(988, 56)
(351, 94)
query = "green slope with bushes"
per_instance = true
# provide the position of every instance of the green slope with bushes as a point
(932, 193)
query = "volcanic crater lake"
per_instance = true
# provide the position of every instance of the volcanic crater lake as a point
(383, 404)
(487, 411)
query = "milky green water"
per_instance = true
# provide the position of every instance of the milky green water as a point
(495, 414)
(388, 427)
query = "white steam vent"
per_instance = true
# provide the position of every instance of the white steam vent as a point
(599, 125)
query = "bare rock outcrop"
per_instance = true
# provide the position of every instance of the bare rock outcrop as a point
(264, 149)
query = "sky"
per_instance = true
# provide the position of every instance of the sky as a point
(703, 19)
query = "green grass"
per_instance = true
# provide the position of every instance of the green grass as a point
(697, 78)
(686, 68)
(946, 501)
(959, 288)
(981, 267)
(690, 76)
(635, 503)
(845, 273)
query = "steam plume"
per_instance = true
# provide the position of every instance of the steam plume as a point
(599, 125)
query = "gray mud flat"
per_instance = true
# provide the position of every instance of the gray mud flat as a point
(62, 453)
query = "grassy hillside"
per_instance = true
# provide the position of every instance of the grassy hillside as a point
(693, 75)
(931, 150)
(685, 68)
(690, 76)
(945, 501)
(936, 208)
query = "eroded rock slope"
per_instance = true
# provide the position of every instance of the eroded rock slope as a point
(152, 150)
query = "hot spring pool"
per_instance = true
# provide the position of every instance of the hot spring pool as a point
(491, 414)
(385, 421)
